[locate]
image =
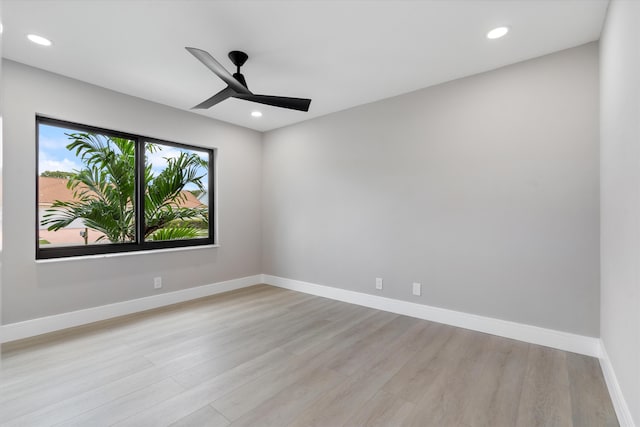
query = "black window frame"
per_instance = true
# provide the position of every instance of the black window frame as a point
(140, 244)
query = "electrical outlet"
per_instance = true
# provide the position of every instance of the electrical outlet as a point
(417, 288)
(157, 282)
(378, 283)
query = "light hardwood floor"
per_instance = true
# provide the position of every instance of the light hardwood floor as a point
(268, 356)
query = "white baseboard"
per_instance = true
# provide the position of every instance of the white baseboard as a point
(617, 398)
(42, 325)
(527, 333)
(532, 334)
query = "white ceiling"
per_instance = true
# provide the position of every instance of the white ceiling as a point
(339, 53)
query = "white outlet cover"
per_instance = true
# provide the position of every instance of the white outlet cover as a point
(157, 282)
(417, 288)
(378, 283)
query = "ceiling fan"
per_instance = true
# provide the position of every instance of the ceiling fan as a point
(237, 85)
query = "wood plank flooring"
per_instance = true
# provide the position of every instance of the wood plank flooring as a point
(264, 356)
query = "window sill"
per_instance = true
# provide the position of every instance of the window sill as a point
(123, 254)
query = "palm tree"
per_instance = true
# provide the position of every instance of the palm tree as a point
(104, 192)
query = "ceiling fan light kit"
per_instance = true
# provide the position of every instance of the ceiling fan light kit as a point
(237, 85)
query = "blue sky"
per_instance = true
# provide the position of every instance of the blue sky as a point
(54, 156)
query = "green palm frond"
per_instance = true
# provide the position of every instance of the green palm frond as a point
(165, 192)
(104, 191)
(174, 233)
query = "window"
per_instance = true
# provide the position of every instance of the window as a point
(102, 191)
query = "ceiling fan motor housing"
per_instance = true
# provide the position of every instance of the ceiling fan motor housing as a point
(239, 58)
(239, 77)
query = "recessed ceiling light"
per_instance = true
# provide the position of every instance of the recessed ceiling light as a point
(256, 114)
(39, 40)
(496, 33)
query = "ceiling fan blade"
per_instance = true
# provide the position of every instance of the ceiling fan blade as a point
(218, 97)
(300, 104)
(211, 63)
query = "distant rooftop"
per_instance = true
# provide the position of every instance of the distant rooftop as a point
(52, 189)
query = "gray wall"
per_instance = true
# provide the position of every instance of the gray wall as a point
(1, 173)
(483, 189)
(620, 189)
(31, 289)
